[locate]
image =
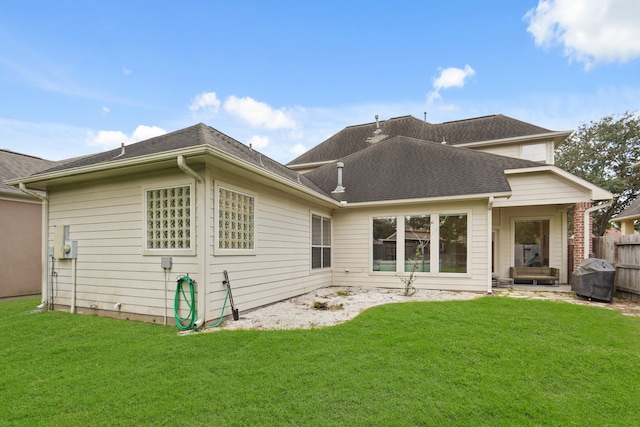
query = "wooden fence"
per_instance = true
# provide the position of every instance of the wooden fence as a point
(625, 256)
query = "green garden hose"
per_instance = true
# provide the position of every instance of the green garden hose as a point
(188, 322)
(185, 323)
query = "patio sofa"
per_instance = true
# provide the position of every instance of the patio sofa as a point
(535, 274)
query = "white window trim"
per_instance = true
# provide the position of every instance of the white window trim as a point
(512, 256)
(434, 253)
(192, 221)
(217, 251)
(311, 245)
(469, 242)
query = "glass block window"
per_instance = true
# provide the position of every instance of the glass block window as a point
(320, 242)
(236, 220)
(169, 218)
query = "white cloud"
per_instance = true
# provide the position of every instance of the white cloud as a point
(258, 114)
(143, 132)
(258, 142)
(207, 101)
(590, 31)
(108, 139)
(106, 110)
(126, 71)
(449, 77)
(298, 149)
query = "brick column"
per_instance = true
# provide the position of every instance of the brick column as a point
(579, 239)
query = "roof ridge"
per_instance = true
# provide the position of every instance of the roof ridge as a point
(381, 121)
(471, 119)
(6, 150)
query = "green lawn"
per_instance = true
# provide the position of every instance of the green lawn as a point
(490, 361)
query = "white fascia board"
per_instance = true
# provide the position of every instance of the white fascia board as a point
(460, 198)
(171, 156)
(106, 166)
(626, 217)
(597, 193)
(557, 137)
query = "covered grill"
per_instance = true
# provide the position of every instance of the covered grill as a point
(594, 279)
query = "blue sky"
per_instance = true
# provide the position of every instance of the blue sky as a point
(80, 77)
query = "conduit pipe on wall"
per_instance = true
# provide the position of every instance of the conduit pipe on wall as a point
(73, 285)
(490, 233)
(587, 244)
(46, 296)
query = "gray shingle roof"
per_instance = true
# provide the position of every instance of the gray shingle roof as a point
(15, 165)
(632, 210)
(359, 137)
(193, 136)
(408, 168)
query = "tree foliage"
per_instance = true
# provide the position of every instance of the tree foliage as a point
(603, 152)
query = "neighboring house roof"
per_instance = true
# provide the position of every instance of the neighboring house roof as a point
(401, 168)
(631, 212)
(470, 131)
(173, 143)
(13, 165)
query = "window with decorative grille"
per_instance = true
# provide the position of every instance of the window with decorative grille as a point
(236, 220)
(169, 218)
(320, 242)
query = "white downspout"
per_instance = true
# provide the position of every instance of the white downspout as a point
(45, 240)
(586, 223)
(182, 164)
(489, 251)
(202, 290)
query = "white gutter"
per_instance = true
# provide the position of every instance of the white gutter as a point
(587, 236)
(45, 240)
(466, 197)
(563, 134)
(311, 165)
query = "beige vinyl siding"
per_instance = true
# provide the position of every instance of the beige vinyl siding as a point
(352, 248)
(280, 268)
(515, 150)
(501, 150)
(541, 188)
(108, 222)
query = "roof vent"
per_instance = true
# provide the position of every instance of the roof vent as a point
(122, 150)
(339, 188)
(378, 130)
(444, 141)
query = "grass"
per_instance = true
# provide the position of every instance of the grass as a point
(490, 361)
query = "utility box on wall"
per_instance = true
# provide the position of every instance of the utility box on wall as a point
(63, 248)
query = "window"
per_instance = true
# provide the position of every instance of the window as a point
(453, 243)
(535, 152)
(417, 236)
(531, 246)
(236, 220)
(320, 242)
(169, 218)
(384, 243)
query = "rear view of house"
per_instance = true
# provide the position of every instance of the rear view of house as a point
(457, 203)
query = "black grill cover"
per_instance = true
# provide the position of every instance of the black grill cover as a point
(594, 278)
